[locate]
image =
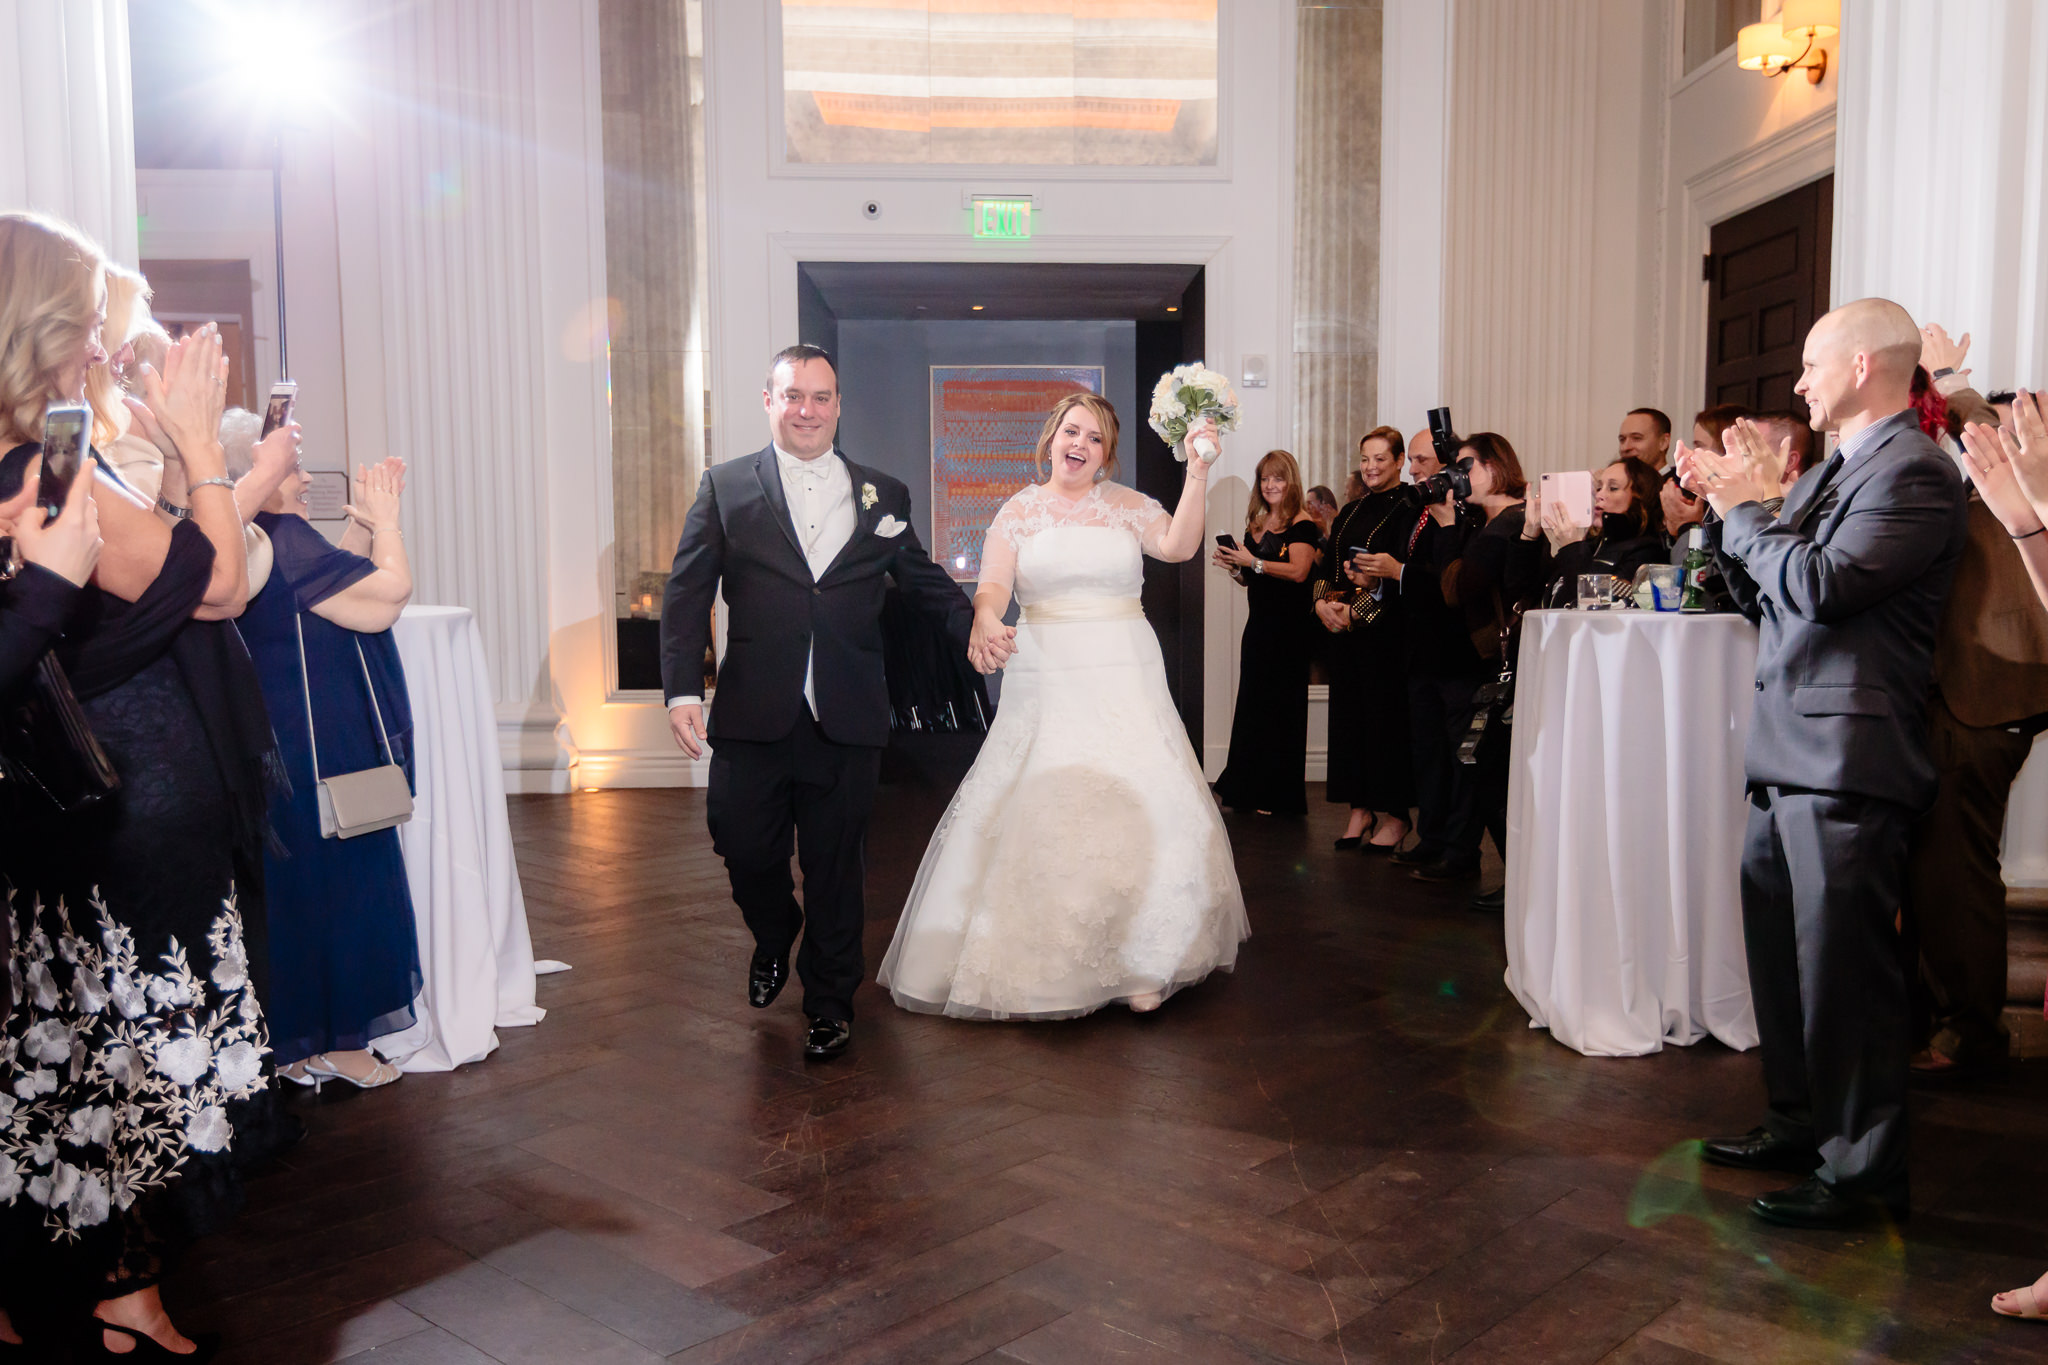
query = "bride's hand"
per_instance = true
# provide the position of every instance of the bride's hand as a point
(991, 643)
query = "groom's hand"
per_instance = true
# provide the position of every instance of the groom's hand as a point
(686, 722)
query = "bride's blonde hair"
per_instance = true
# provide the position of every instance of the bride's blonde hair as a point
(1105, 417)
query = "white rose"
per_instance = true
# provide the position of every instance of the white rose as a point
(239, 1065)
(128, 996)
(208, 1131)
(123, 1065)
(48, 1040)
(170, 991)
(88, 1202)
(183, 1060)
(231, 971)
(90, 1126)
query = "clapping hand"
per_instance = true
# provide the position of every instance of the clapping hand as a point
(187, 400)
(1724, 481)
(2009, 466)
(69, 546)
(377, 490)
(1746, 441)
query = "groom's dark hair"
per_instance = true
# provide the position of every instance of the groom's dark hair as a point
(796, 355)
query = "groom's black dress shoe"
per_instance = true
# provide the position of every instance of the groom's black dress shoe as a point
(829, 1038)
(1761, 1150)
(765, 980)
(1813, 1203)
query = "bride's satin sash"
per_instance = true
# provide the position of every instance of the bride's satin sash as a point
(1060, 611)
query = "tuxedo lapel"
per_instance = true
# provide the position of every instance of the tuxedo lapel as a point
(770, 474)
(1839, 476)
(864, 517)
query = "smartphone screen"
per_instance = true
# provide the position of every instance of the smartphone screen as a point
(283, 394)
(1571, 490)
(67, 432)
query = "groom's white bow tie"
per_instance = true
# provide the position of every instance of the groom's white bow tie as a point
(809, 472)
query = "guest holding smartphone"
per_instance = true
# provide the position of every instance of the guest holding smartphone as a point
(1269, 730)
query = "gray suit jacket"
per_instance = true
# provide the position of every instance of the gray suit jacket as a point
(1847, 587)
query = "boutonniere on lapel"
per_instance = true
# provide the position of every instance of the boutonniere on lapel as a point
(888, 526)
(868, 497)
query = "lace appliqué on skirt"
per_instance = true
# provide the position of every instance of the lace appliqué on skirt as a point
(115, 1070)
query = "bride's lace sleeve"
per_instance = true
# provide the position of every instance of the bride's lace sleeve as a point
(1142, 516)
(999, 546)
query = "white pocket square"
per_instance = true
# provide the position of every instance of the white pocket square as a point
(889, 526)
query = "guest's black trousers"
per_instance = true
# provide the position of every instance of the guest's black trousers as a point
(801, 791)
(1823, 875)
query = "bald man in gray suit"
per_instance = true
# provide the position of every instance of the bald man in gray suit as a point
(1846, 582)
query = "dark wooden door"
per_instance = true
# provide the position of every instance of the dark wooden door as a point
(1767, 280)
(1173, 592)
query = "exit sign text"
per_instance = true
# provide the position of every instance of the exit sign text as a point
(1002, 218)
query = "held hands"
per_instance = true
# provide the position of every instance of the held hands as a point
(991, 643)
(69, 546)
(1334, 615)
(686, 723)
(187, 400)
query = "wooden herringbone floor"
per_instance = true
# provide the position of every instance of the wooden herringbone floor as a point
(1352, 1149)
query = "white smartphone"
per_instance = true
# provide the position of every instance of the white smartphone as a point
(1572, 490)
(284, 394)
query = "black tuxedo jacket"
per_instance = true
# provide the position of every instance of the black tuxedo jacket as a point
(1847, 587)
(739, 531)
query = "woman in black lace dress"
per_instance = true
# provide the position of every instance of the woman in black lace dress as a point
(1370, 767)
(1269, 731)
(133, 1063)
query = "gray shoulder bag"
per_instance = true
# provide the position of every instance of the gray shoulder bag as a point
(359, 802)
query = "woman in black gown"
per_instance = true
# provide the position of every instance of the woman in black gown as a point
(1370, 767)
(132, 1068)
(1269, 732)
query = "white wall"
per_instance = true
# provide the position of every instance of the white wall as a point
(1236, 219)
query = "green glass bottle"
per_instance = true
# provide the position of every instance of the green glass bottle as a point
(1696, 567)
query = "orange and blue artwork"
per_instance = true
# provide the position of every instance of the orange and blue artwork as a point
(985, 425)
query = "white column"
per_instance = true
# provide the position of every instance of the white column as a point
(67, 124)
(1941, 188)
(455, 324)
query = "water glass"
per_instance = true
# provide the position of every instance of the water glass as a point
(1667, 585)
(1596, 591)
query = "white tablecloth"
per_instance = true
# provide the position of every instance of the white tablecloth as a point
(475, 953)
(2025, 855)
(1625, 820)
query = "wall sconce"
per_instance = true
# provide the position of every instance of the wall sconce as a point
(1792, 40)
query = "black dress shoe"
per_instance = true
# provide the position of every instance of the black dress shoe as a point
(1494, 902)
(1761, 1150)
(1419, 856)
(829, 1038)
(1813, 1203)
(765, 980)
(1349, 841)
(1445, 870)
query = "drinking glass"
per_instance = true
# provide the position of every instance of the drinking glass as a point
(1596, 591)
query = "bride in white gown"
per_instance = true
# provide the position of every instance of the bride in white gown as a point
(1082, 862)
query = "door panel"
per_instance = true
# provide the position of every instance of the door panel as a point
(1767, 274)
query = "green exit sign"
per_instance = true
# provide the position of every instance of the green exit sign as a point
(1006, 219)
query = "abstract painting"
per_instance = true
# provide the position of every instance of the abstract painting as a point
(985, 425)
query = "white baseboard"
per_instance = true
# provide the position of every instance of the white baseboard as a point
(637, 768)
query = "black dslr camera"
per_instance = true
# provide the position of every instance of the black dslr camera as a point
(1456, 479)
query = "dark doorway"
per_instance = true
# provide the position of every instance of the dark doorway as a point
(888, 322)
(1767, 274)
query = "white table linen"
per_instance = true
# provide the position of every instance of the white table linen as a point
(2025, 855)
(1625, 818)
(476, 956)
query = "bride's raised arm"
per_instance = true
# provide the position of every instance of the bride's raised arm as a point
(1183, 535)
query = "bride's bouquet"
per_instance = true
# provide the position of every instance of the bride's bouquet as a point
(1182, 398)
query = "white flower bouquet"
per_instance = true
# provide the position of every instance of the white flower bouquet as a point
(1182, 398)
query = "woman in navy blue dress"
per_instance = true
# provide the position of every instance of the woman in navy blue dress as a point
(344, 956)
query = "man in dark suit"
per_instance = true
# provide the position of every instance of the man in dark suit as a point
(801, 539)
(1847, 582)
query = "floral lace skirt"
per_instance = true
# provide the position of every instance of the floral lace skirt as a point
(1082, 862)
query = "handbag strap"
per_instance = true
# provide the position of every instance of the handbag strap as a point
(306, 681)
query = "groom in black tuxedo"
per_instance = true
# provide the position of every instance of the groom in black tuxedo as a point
(801, 538)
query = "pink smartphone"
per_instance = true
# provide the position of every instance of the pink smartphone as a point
(1572, 490)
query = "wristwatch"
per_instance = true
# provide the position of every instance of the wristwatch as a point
(1258, 566)
(1943, 373)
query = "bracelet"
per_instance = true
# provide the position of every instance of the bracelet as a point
(181, 513)
(222, 482)
(2031, 534)
(1943, 373)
